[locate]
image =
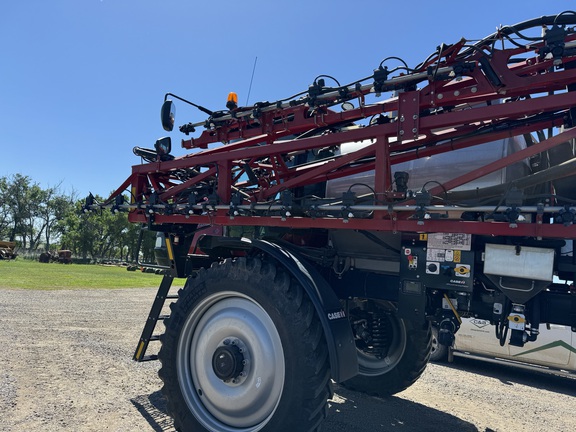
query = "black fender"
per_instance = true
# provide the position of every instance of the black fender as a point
(335, 323)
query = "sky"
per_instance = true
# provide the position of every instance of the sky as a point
(82, 81)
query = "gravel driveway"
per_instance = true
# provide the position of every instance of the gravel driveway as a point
(66, 366)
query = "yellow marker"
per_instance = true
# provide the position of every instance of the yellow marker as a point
(140, 348)
(424, 237)
(132, 198)
(457, 256)
(169, 249)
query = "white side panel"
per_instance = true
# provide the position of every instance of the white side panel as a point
(553, 347)
(478, 336)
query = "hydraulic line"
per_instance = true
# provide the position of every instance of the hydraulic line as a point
(453, 309)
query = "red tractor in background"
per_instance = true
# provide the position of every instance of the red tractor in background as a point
(320, 235)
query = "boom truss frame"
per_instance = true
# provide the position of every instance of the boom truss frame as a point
(461, 96)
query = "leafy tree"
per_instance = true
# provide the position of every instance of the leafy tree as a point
(31, 214)
(38, 218)
(146, 246)
(32, 228)
(52, 213)
(4, 213)
(103, 234)
(19, 197)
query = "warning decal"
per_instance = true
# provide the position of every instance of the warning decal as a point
(455, 241)
(457, 256)
(436, 255)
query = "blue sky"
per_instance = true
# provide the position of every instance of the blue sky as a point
(82, 81)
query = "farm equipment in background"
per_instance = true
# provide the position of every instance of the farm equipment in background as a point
(7, 250)
(319, 235)
(65, 256)
(48, 256)
(62, 256)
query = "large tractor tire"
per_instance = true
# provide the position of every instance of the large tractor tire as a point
(392, 352)
(244, 350)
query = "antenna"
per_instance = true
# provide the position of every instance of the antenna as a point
(251, 79)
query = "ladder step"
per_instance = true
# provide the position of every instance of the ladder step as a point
(155, 337)
(172, 296)
(149, 358)
(153, 317)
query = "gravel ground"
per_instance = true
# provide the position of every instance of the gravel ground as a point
(66, 366)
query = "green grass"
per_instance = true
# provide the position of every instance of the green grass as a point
(25, 274)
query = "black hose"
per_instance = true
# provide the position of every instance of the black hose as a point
(566, 17)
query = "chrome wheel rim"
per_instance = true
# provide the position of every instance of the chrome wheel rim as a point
(242, 392)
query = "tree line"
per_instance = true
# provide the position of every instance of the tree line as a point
(47, 219)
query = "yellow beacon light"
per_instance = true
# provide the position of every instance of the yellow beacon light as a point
(232, 102)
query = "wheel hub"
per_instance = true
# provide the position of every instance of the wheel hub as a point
(228, 362)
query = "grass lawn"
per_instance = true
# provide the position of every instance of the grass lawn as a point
(26, 274)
